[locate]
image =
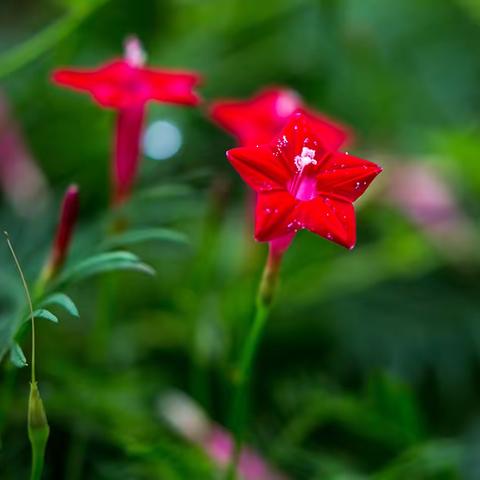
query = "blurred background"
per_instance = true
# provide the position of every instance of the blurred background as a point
(370, 363)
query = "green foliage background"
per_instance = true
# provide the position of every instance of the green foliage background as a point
(370, 363)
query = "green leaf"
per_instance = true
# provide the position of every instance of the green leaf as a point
(144, 235)
(104, 262)
(63, 301)
(45, 314)
(17, 357)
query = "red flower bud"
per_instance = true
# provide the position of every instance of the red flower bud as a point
(63, 236)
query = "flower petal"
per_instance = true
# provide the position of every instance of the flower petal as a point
(330, 218)
(119, 85)
(171, 86)
(114, 85)
(273, 215)
(259, 167)
(78, 79)
(345, 175)
(331, 134)
(259, 119)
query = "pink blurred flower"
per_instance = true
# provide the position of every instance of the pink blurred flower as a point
(425, 197)
(20, 179)
(219, 446)
(190, 421)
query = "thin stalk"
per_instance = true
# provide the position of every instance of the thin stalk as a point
(29, 302)
(243, 374)
(38, 429)
(41, 42)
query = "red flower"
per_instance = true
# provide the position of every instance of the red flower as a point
(302, 183)
(258, 120)
(126, 85)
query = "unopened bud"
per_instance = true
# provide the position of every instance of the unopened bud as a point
(66, 225)
(38, 430)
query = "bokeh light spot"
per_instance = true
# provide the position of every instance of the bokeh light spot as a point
(162, 140)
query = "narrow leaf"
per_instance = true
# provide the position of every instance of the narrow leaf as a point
(63, 301)
(45, 314)
(144, 235)
(104, 262)
(17, 357)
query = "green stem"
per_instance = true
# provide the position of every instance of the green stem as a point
(243, 375)
(38, 429)
(35, 46)
(29, 301)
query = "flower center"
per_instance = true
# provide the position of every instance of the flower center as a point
(303, 185)
(307, 157)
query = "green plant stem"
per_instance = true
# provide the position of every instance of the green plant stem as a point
(29, 301)
(38, 429)
(39, 43)
(242, 378)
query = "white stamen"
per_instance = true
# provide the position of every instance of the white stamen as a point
(307, 157)
(134, 53)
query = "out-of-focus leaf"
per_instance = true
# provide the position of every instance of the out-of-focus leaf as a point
(104, 262)
(17, 357)
(45, 314)
(36, 45)
(63, 301)
(433, 460)
(144, 235)
(395, 402)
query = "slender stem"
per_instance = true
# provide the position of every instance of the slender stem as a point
(39, 43)
(29, 301)
(38, 429)
(243, 375)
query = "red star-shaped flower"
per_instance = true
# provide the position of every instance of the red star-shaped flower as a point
(126, 85)
(259, 119)
(302, 183)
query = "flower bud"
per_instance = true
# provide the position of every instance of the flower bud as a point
(61, 244)
(38, 430)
